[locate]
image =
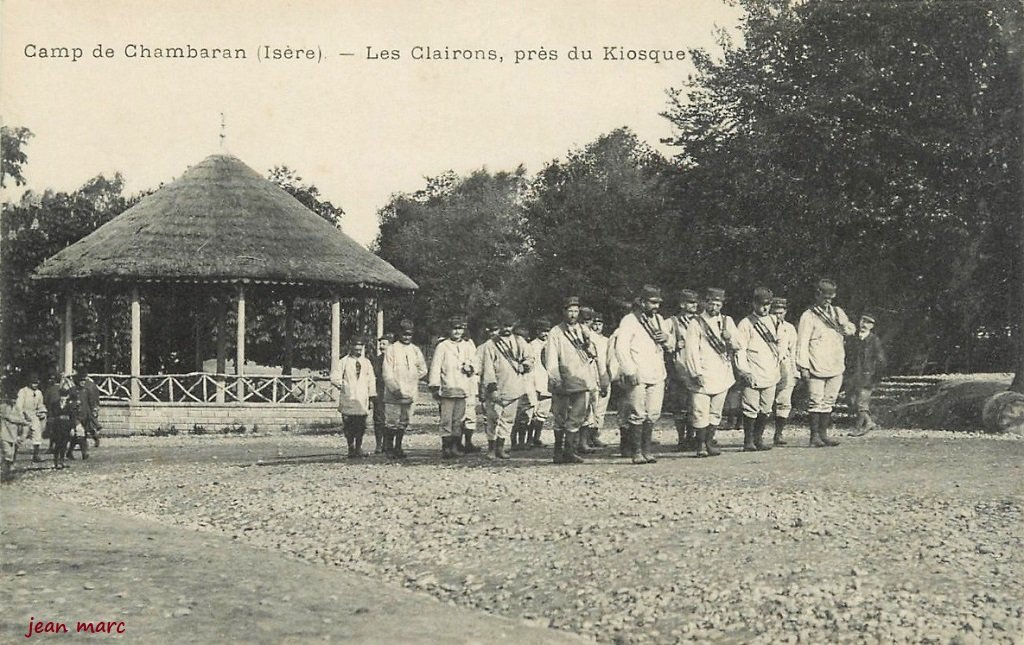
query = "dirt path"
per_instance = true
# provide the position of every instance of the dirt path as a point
(64, 563)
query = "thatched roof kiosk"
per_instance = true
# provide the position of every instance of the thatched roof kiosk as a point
(221, 223)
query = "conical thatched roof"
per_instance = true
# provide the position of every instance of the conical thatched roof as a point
(223, 222)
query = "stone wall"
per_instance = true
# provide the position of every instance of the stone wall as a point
(118, 418)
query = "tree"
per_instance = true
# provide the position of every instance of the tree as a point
(867, 142)
(461, 239)
(12, 156)
(308, 194)
(35, 228)
(601, 225)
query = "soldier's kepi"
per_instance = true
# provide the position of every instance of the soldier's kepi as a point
(640, 346)
(821, 358)
(757, 363)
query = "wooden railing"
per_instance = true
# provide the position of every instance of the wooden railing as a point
(204, 387)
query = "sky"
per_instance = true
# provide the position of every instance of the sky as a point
(360, 127)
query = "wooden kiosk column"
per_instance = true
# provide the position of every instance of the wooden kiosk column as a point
(240, 344)
(69, 335)
(222, 345)
(136, 364)
(335, 333)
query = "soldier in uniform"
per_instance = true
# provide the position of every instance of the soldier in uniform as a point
(679, 379)
(450, 381)
(569, 355)
(30, 402)
(868, 366)
(644, 337)
(356, 385)
(379, 423)
(597, 406)
(787, 368)
(521, 428)
(541, 410)
(710, 344)
(821, 358)
(404, 367)
(757, 363)
(506, 366)
(88, 406)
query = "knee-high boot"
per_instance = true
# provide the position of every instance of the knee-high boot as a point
(815, 423)
(780, 424)
(759, 425)
(709, 441)
(823, 424)
(647, 439)
(559, 457)
(748, 435)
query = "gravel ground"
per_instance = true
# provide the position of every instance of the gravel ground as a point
(899, 536)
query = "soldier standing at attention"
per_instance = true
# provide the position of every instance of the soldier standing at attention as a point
(506, 367)
(680, 380)
(32, 405)
(403, 368)
(377, 359)
(451, 372)
(569, 355)
(643, 338)
(787, 368)
(356, 385)
(597, 406)
(757, 363)
(710, 344)
(541, 411)
(868, 366)
(821, 358)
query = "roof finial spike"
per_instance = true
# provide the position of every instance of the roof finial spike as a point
(223, 126)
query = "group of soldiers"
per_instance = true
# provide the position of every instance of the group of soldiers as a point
(66, 411)
(520, 377)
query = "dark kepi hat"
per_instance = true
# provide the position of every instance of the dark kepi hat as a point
(762, 296)
(388, 336)
(586, 314)
(504, 317)
(405, 326)
(868, 315)
(714, 293)
(457, 320)
(358, 339)
(779, 304)
(688, 296)
(490, 324)
(541, 324)
(650, 292)
(826, 287)
(571, 301)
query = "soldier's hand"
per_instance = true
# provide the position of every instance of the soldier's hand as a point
(603, 391)
(660, 337)
(630, 379)
(805, 373)
(435, 391)
(492, 387)
(698, 382)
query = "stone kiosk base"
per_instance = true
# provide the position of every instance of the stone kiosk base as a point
(121, 418)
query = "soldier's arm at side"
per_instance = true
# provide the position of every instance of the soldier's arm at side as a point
(803, 341)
